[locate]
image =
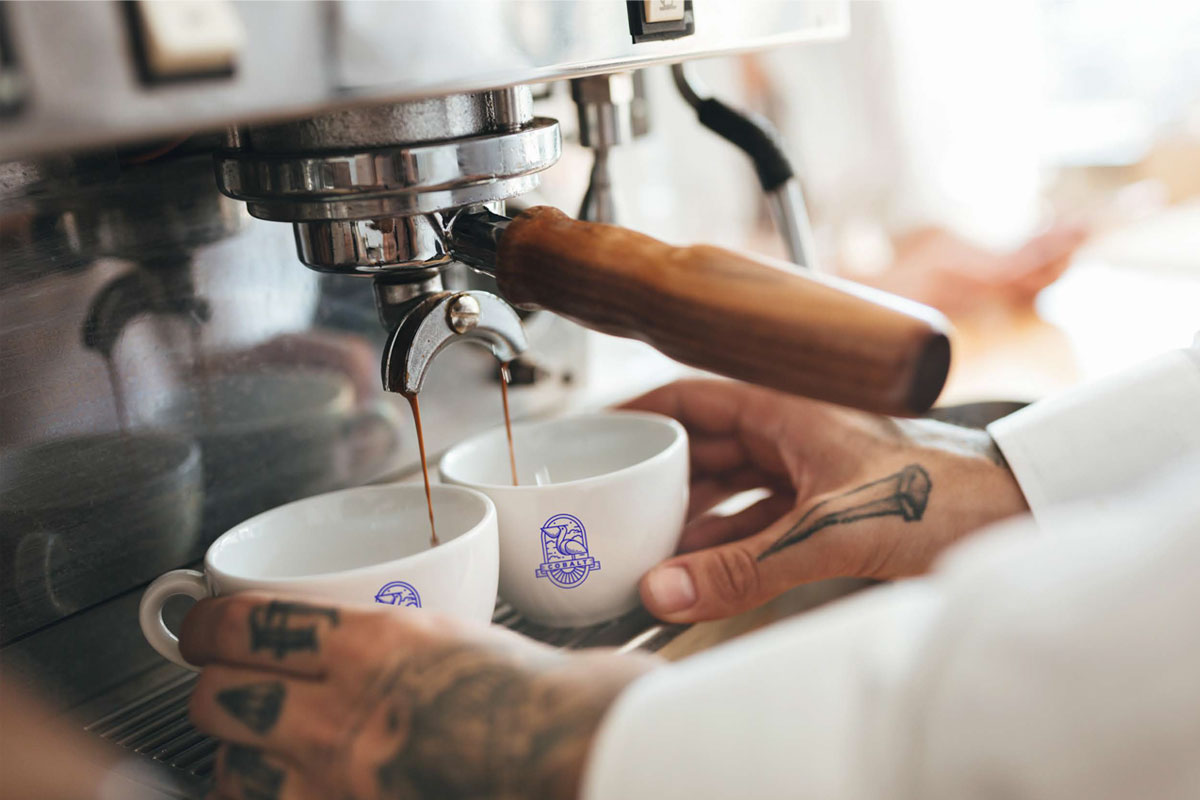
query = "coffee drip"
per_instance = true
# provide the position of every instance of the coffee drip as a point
(416, 412)
(505, 377)
(512, 457)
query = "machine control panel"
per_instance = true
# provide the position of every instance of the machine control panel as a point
(663, 10)
(656, 20)
(185, 39)
(66, 68)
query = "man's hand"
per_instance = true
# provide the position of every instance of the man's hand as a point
(373, 704)
(935, 267)
(850, 494)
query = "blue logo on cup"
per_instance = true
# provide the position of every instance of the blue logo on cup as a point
(565, 550)
(399, 593)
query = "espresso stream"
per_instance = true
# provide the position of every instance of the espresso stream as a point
(416, 411)
(505, 376)
(512, 457)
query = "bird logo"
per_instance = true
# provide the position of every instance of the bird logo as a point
(567, 562)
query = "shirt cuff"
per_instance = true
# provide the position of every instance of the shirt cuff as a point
(784, 713)
(1098, 440)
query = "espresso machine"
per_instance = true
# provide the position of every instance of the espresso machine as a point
(169, 169)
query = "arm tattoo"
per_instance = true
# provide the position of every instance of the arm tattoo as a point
(258, 779)
(468, 725)
(256, 705)
(904, 494)
(271, 628)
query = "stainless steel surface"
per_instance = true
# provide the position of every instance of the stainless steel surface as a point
(611, 112)
(463, 313)
(372, 246)
(599, 204)
(396, 180)
(605, 107)
(475, 235)
(367, 188)
(395, 293)
(414, 121)
(791, 220)
(81, 87)
(430, 326)
(510, 108)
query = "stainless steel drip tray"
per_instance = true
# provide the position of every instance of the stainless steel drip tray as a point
(147, 715)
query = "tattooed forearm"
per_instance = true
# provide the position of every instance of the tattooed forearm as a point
(904, 494)
(271, 627)
(257, 779)
(257, 705)
(468, 725)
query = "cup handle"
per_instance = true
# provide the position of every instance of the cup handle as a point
(181, 581)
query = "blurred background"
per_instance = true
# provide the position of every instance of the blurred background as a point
(933, 143)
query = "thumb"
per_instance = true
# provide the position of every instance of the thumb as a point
(743, 574)
(706, 584)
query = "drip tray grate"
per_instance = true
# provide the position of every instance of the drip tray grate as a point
(155, 724)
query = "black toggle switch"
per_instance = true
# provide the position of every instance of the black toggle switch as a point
(657, 20)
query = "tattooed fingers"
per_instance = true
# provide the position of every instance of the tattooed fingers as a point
(298, 719)
(247, 773)
(736, 569)
(295, 638)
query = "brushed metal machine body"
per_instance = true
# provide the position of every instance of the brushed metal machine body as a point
(168, 367)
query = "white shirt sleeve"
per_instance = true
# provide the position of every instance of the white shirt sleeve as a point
(1060, 666)
(1090, 444)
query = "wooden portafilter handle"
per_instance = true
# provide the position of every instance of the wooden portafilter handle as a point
(730, 313)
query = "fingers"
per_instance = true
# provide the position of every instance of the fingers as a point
(705, 493)
(247, 773)
(296, 638)
(714, 455)
(710, 530)
(1051, 247)
(729, 423)
(1041, 260)
(730, 578)
(304, 721)
(712, 407)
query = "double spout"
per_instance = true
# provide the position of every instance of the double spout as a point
(433, 321)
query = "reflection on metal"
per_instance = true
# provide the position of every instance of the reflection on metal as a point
(611, 112)
(130, 502)
(791, 219)
(393, 180)
(475, 237)
(372, 246)
(369, 190)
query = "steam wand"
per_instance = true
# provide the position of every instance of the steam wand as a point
(755, 136)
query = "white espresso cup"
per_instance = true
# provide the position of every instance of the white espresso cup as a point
(601, 499)
(368, 545)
